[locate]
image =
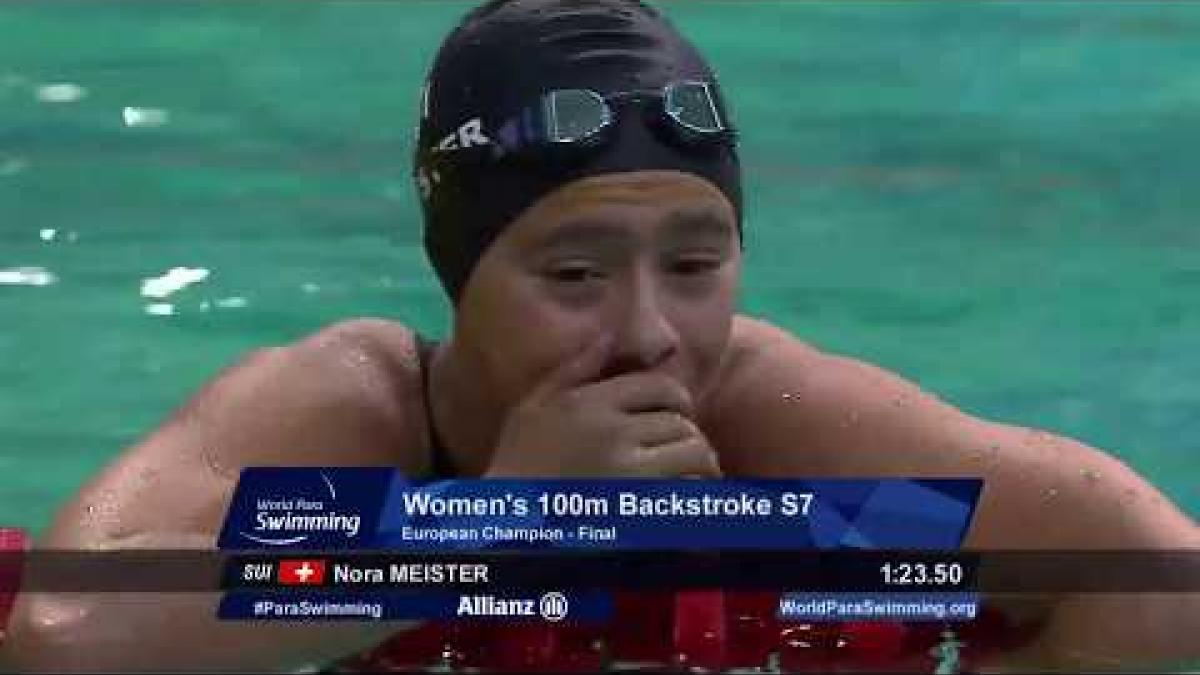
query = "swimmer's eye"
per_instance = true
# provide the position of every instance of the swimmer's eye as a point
(694, 266)
(572, 273)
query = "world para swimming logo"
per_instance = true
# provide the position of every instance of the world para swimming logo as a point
(287, 521)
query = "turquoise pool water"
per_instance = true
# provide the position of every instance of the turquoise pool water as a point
(994, 199)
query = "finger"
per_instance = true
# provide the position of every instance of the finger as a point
(692, 457)
(641, 392)
(578, 369)
(659, 428)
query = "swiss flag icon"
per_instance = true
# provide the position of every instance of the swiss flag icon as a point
(301, 572)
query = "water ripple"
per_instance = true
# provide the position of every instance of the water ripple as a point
(27, 276)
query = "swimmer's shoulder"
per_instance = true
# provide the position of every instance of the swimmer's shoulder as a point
(763, 367)
(347, 394)
(756, 351)
(376, 366)
(785, 408)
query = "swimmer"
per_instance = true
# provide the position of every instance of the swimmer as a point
(947, 653)
(582, 200)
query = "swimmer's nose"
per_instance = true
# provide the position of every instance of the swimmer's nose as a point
(645, 337)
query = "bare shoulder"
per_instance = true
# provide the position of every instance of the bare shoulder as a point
(388, 340)
(356, 378)
(768, 372)
(347, 395)
(761, 353)
(786, 408)
(343, 396)
(754, 347)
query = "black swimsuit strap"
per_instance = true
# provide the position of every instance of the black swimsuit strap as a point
(439, 457)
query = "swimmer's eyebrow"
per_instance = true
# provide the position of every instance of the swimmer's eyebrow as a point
(691, 223)
(679, 225)
(586, 231)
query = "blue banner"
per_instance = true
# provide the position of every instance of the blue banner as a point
(306, 508)
(379, 509)
(301, 605)
(913, 607)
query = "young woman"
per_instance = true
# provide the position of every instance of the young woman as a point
(581, 191)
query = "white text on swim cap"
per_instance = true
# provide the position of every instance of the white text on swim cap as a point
(469, 135)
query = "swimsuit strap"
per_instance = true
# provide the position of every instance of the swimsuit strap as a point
(439, 456)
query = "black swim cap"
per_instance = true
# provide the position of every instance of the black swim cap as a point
(500, 59)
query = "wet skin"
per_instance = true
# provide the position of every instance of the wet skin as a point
(603, 322)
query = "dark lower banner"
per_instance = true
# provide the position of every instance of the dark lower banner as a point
(644, 570)
(553, 606)
(152, 571)
(573, 606)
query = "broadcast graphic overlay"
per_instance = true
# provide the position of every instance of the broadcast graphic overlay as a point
(369, 545)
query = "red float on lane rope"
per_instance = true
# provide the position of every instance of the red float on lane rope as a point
(12, 540)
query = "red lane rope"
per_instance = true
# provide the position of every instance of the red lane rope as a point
(11, 540)
(696, 630)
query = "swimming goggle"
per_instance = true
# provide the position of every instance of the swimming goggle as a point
(567, 121)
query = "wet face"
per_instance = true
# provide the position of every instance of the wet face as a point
(650, 257)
